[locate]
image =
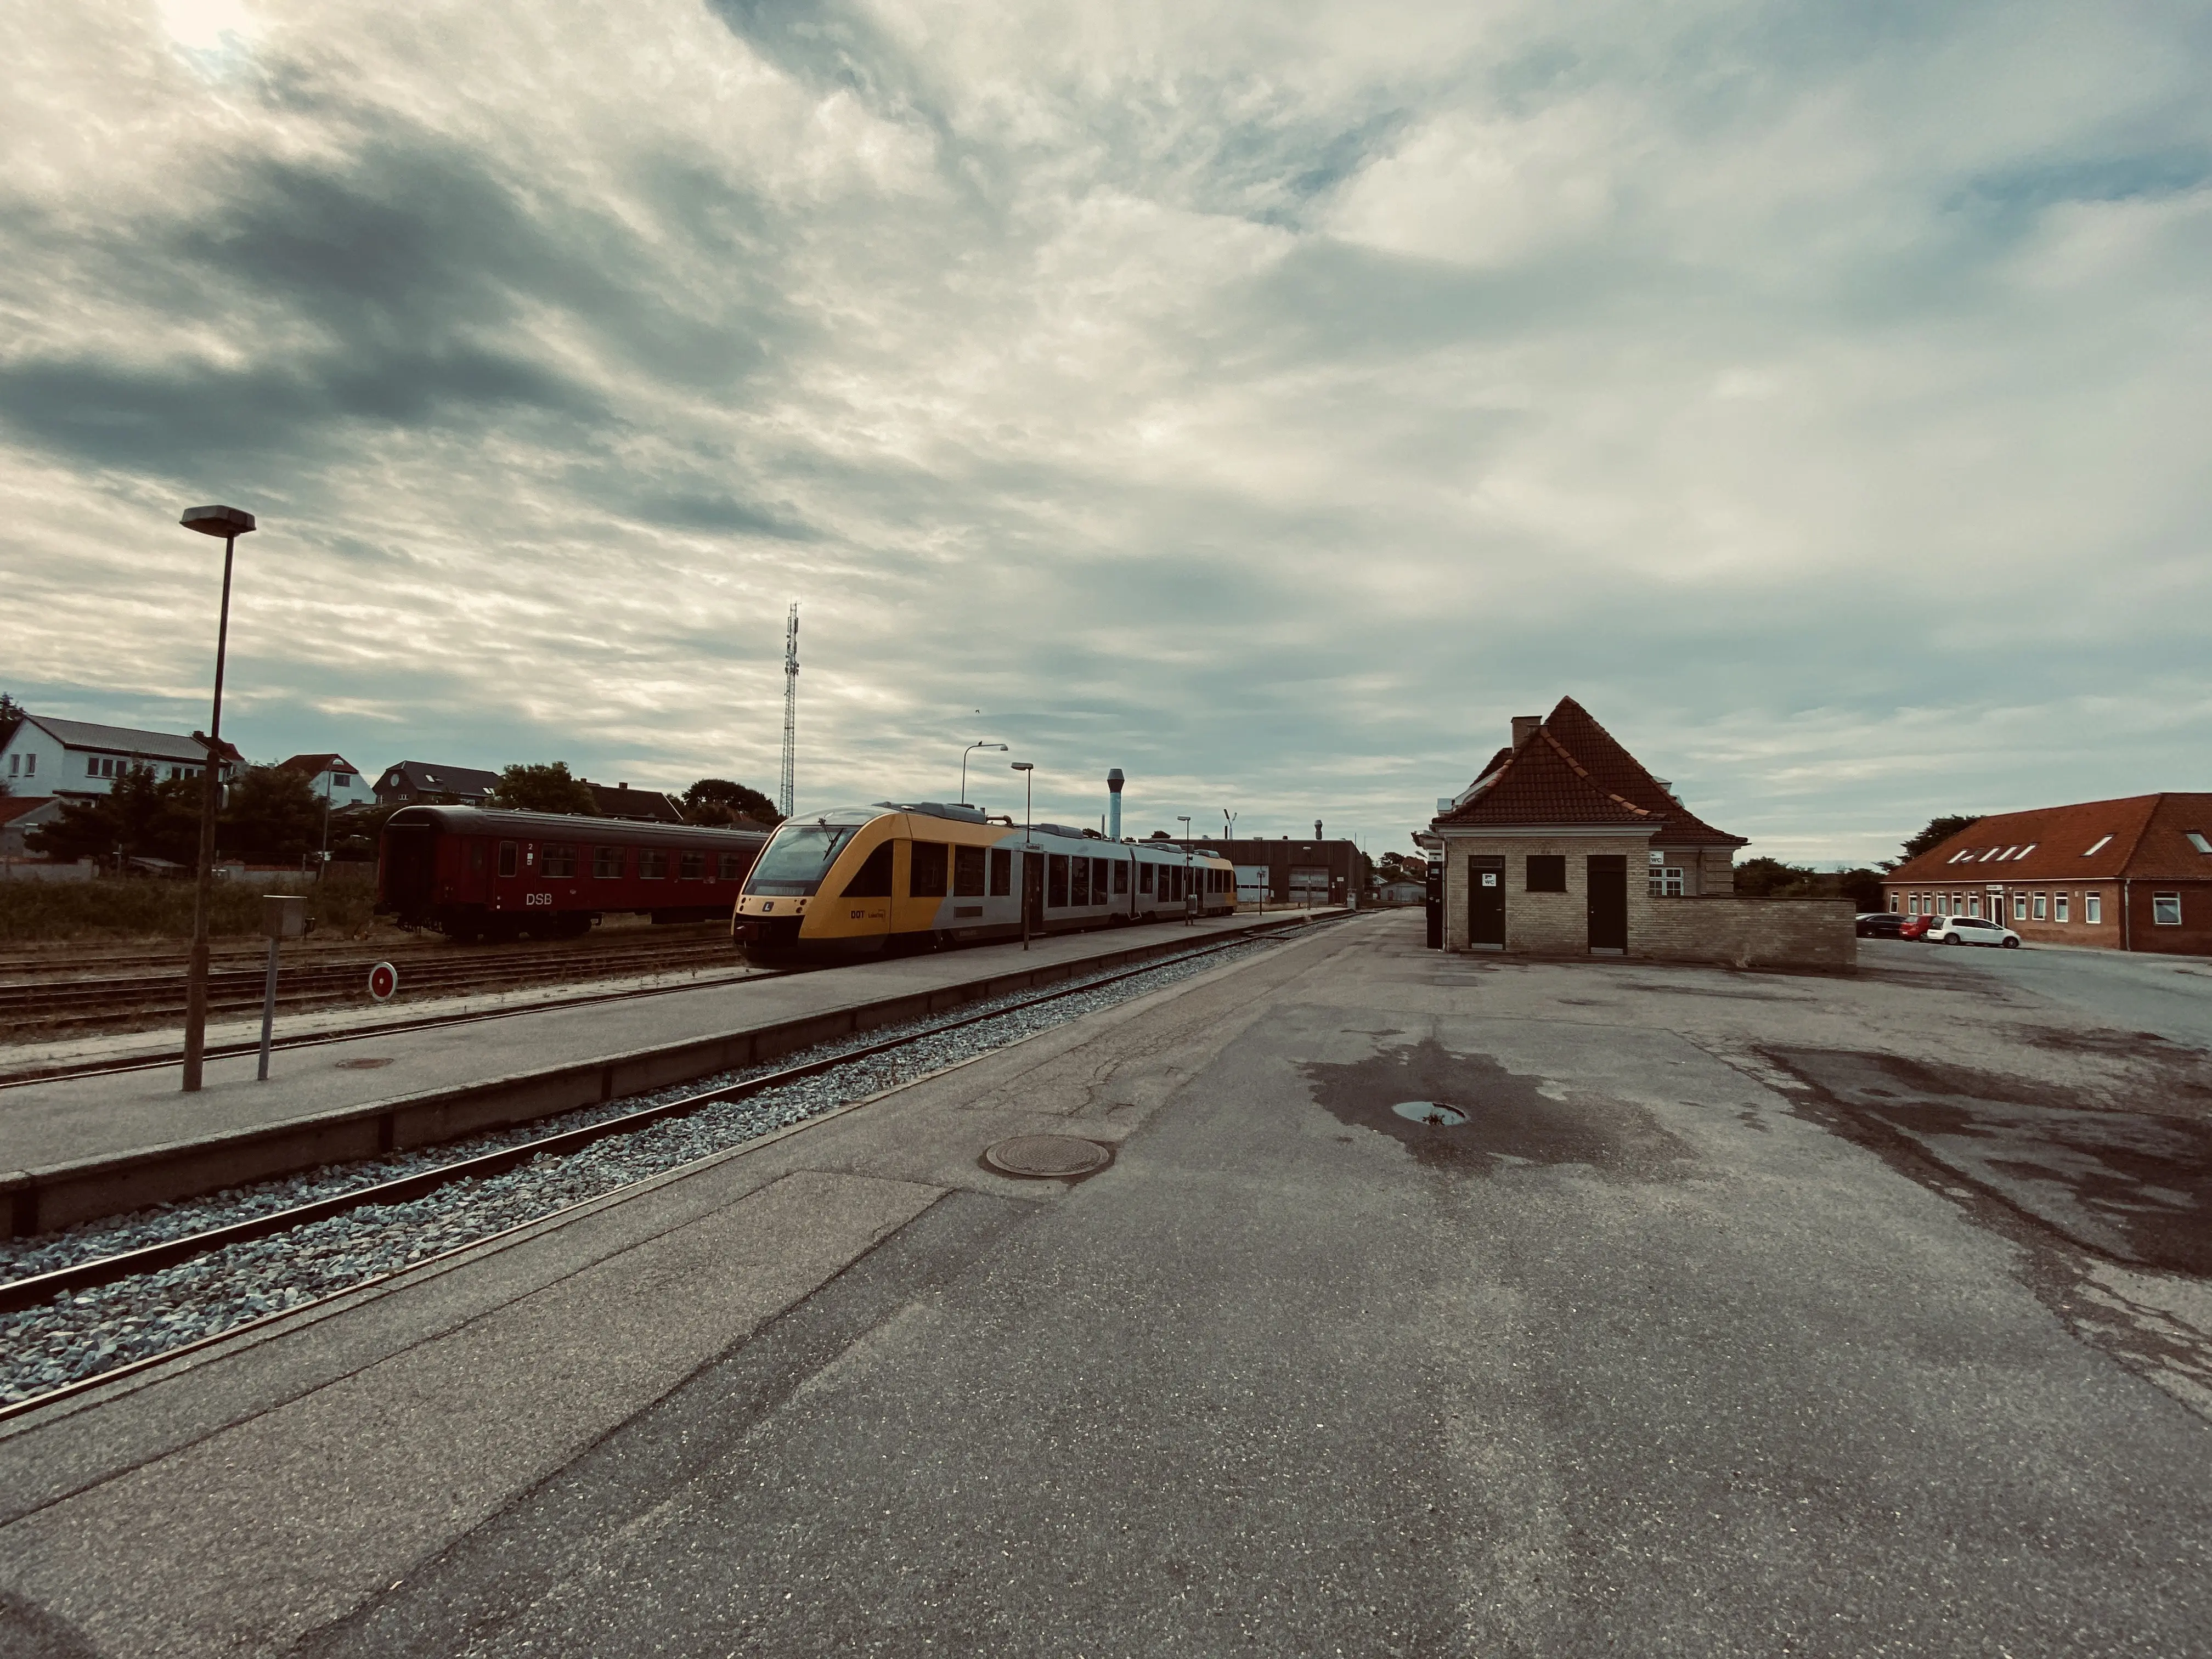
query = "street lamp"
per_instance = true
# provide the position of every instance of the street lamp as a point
(1229, 835)
(964, 753)
(229, 523)
(1183, 818)
(1027, 768)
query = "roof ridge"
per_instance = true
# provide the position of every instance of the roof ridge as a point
(1582, 771)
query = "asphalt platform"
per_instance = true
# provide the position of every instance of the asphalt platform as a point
(99, 1145)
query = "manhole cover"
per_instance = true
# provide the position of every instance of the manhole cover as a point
(361, 1065)
(1434, 1113)
(1046, 1155)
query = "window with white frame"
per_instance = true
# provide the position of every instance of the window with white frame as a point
(2165, 910)
(2092, 907)
(2042, 906)
(2058, 906)
(1666, 881)
(2019, 907)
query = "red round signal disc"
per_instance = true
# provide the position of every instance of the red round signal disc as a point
(383, 980)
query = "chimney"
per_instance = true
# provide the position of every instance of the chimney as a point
(1113, 781)
(1522, 726)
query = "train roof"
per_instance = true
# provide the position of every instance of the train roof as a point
(962, 813)
(563, 826)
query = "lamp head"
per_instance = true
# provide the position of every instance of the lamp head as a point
(1023, 766)
(225, 521)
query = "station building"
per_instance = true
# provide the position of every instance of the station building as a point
(1566, 845)
(2132, 874)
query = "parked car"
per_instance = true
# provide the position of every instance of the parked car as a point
(1972, 930)
(1916, 927)
(1882, 924)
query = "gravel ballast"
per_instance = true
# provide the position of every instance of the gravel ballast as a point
(77, 1336)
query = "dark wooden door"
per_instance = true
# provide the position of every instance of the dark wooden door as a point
(1486, 902)
(1607, 875)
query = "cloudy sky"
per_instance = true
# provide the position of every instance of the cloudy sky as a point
(1269, 400)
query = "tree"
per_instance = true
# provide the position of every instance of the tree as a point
(718, 800)
(1938, 831)
(270, 817)
(141, 817)
(11, 716)
(544, 788)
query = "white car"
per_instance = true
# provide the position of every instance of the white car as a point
(1971, 930)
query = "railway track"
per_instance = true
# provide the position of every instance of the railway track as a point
(163, 1270)
(78, 1002)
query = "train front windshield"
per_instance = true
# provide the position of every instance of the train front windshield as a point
(797, 860)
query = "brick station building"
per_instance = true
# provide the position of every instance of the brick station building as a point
(2134, 874)
(1565, 845)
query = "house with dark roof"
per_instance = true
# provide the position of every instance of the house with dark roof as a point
(639, 805)
(334, 778)
(2132, 874)
(432, 782)
(1566, 845)
(77, 760)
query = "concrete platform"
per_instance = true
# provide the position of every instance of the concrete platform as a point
(1650, 1360)
(74, 1149)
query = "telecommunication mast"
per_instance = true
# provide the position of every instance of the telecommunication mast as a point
(790, 713)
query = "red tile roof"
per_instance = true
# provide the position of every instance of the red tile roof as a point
(2144, 837)
(1570, 770)
(15, 806)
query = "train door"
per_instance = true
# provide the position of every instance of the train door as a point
(1033, 890)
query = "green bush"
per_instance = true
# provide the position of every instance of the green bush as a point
(32, 910)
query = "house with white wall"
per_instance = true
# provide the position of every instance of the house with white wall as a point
(334, 778)
(77, 760)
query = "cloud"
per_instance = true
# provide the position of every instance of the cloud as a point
(1268, 401)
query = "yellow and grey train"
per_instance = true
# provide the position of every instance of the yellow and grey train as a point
(895, 877)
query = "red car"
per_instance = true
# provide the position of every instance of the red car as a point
(1915, 927)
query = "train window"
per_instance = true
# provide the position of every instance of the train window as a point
(1079, 883)
(559, 860)
(607, 863)
(873, 879)
(1121, 876)
(652, 864)
(925, 873)
(1002, 871)
(506, 858)
(1098, 881)
(1144, 878)
(692, 867)
(967, 872)
(733, 866)
(1055, 881)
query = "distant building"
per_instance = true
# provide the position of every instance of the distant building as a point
(639, 805)
(1565, 845)
(2133, 874)
(1401, 892)
(76, 760)
(1303, 872)
(334, 778)
(431, 781)
(19, 816)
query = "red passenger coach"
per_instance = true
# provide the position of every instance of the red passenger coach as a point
(472, 874)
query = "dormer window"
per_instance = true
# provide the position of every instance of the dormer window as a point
(1991, 854)
(1960, 858)
(2025, 850)
(2098, 846)
(2196, 840)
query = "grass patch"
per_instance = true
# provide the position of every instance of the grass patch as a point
(40, 910)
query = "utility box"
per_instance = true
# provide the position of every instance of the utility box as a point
(284, 915)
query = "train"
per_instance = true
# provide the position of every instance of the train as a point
(472, 874)
(895, 877)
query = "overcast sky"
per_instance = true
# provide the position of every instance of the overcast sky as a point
(1269, 400)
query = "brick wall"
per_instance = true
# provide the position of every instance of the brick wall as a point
(1544, 924)
(1749, 933)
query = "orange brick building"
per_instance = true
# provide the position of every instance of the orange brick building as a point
(2134, 874)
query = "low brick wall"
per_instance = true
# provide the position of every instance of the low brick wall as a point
(1748, 932)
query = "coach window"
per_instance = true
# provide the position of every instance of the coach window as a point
(733, 866)
(1099, 880)
(873, 879)
(1002, 871)
(1144, 878)
(559, 861)
(967, 872)
(1121, 876)
(692, 867)
(1055, 881)
(925, 876)
(607, 863)
(506, 858)
(652, 864)
(1079, 883)
(2165, 910)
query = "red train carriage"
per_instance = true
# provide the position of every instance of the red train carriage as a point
(470, 874)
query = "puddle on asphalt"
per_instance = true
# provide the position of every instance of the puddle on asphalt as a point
(2135, 1187)
(1509, 1120)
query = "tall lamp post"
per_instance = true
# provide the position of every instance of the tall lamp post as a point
(1229, 843)
(964, 753)
(1028, 770)
(229, 523)
(1183, 818)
